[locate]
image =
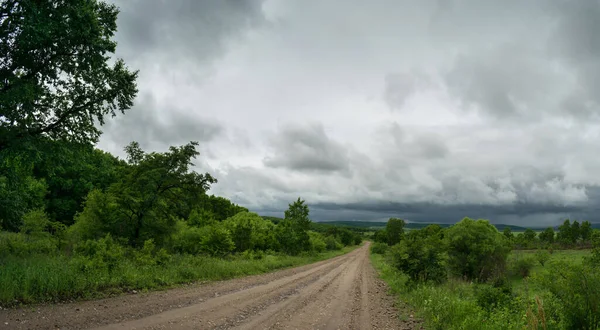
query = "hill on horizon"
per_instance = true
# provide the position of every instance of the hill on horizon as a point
(419, 225)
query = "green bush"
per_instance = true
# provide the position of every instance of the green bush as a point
(35, 222)
(490, 297)
(421, 257)
(218, 241)
(577, 289)
(317, 242)
(542, 256)
(522, 266)
(104, 253)
(18, 244)
(379, 248)
(476, 250)
(331, 243)
(187, 240)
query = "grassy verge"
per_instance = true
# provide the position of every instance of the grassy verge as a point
(530, 303)
(46, 278)
(453, 305)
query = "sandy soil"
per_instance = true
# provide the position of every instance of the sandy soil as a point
(339, 293)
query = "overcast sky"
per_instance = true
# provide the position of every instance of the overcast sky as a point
(426, 110)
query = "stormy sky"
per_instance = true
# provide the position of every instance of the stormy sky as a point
(425, 110)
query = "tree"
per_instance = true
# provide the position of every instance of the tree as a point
(476, 250)
(529, 235)
(564, 232)
(20, 191)
(292, 233)
(508, 233)
(298, 214)
(395, 230)
(71, 171)
(547, 235)
(140, 205)
(55, 77)
(585, 230)
(575, 231)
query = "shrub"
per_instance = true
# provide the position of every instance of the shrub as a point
(218, 241)
(490, 297)
(379, 248)
(104, 253)
(18, 244)
(35, 222)
(317, 243)
(542, 256)
(187, 240)
(249, 231)
(421, 257)
(331, 243)
(522, 266)
(577, 289)
(476, 250)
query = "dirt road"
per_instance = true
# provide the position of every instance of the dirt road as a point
(339, 293)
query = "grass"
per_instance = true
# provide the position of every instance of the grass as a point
(570, 256)
(46, 278)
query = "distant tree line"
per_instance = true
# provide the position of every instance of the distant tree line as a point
(569, 235)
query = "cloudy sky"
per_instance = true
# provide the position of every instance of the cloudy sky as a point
(426, 110)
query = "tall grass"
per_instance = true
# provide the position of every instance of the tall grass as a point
(453, 305)
(44, 278)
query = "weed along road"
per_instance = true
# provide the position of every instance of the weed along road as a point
(339, 293)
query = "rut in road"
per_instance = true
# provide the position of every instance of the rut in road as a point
(339, 293)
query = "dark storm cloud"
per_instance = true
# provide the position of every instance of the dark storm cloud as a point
(543, 215)
(158, 127)
(307, 148)
(165, 29)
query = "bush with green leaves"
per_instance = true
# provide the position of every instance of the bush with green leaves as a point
(491, 297)
(187, 240)
(331, 243)
(542, 256)
(476, 250)
(317, 242)
(150, 255)
(576, 287)
(217, 241)
(105, 253)
(379, 248)
(22, 245)
(522, 266)
(421, 255)
(250, 231)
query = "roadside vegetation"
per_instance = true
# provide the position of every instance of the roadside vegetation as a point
(468, 276)
(78, 222)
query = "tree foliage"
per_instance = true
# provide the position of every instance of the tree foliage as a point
(421, 255)
(476, 250)
(394, 230)
(55, 76)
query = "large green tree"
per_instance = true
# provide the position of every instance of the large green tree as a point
(57, 77)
